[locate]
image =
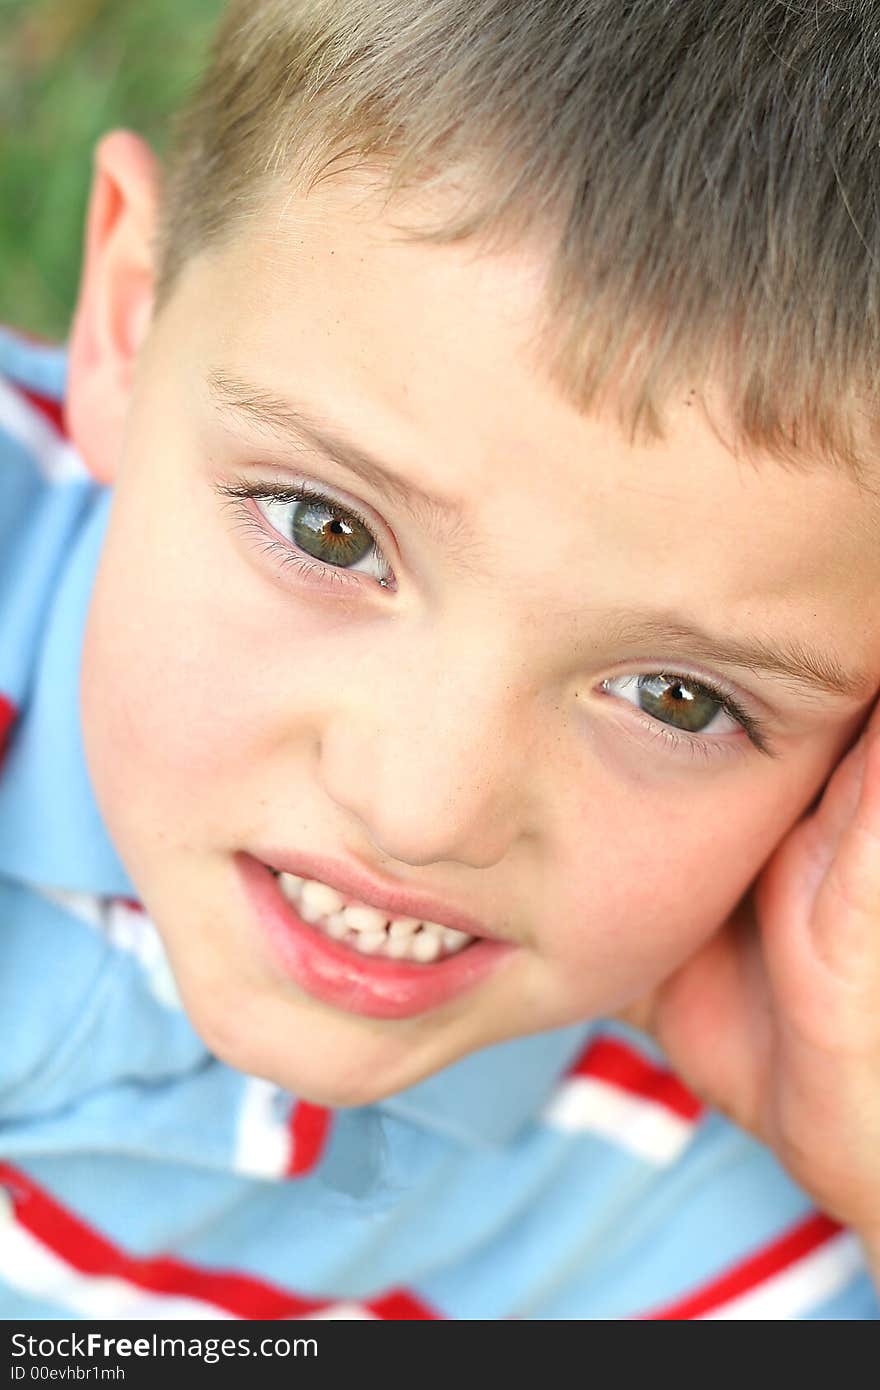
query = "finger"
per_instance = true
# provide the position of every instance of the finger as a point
(712, 1018)
(821, 832)
(845, 922)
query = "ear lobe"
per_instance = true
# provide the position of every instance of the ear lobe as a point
(115, 301)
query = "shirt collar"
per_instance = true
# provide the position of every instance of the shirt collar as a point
(52, 834)
(491, 1094)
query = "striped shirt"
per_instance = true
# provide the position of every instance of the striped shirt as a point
(568, 1175)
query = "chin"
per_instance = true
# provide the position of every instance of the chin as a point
(319, 1063)
(345, 1087)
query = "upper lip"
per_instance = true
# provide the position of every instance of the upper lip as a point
(354, 881)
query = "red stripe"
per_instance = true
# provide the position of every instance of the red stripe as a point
(309, 1126)
(50, 409)
(800, 1241)
(7, 719)
(620, 1065)
(90, 1253)
(400, 1306)
(26, 336)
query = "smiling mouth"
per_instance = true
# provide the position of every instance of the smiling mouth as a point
(362, 981)
(369, 930)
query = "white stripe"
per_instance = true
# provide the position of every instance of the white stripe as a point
(54, 456)
(85, 907)
(793, 1291)
(128, 929)
(349, 1311)
(263, 1139)
(589, 1104)
(29, 1266)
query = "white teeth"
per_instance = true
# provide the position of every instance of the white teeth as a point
(403, 926)
(336, 926)
(398, 947)
(291, 887)
(427, 945)
(366, 919)
(317, 900)
(453, 939)
(371, 942)
(367, 929)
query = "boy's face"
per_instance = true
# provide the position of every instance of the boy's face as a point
(449, 731)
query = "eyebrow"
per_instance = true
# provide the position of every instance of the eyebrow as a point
(804, 667)
(289, 420)
(811, 671)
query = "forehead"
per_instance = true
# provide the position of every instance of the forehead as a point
(428, 354)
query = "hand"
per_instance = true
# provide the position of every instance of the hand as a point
(776, 1020)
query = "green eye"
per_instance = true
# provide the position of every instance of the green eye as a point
(694, 707)
(673, 700)
(314, 534)
(329, 533)
(680, 702)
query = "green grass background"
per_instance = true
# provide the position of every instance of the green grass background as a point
(70, 70)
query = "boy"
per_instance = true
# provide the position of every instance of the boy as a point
(459, 582)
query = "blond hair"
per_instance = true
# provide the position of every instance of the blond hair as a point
(703, 178)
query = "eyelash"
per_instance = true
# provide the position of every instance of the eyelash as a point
(314, 570)
(308, 567)
(755, 728)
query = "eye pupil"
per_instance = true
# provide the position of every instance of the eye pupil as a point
(692, 708)
(323, 531)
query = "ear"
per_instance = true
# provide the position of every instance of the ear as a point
(115, 301)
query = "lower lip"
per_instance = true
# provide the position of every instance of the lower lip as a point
(338, 975)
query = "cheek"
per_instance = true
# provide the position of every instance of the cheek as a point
(190, 672)
(162, 694)
(653, 877)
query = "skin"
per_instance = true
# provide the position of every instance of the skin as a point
(237, 696)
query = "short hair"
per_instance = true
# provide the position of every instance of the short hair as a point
(702, 177)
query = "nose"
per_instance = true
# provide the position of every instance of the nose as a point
(429, 756)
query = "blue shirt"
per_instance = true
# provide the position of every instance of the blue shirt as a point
(565, 1175)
